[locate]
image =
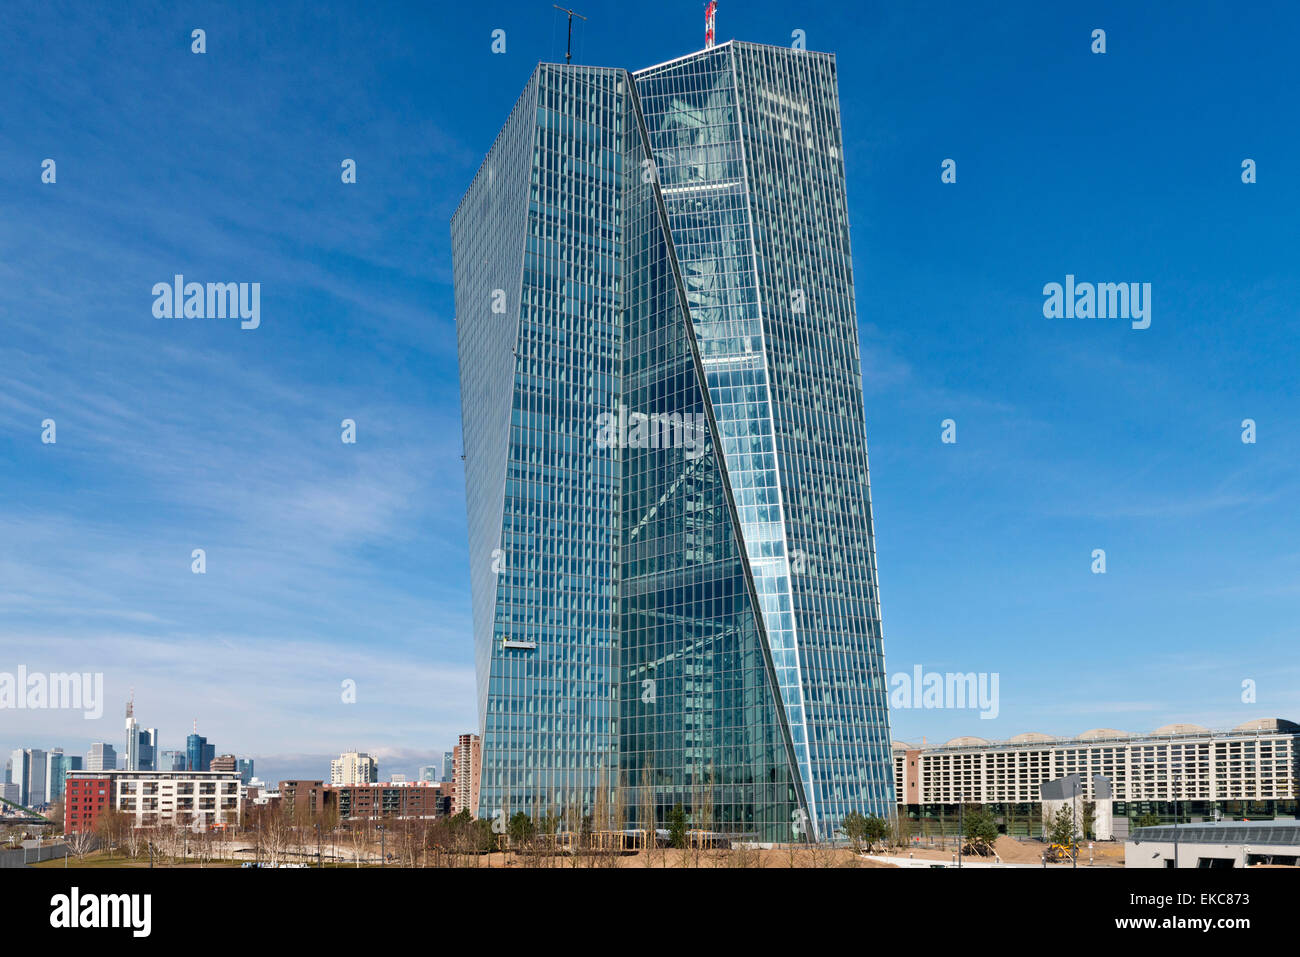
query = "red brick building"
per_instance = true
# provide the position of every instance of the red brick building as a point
(416, 800)
(85, 798)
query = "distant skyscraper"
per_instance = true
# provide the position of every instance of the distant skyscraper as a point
(227, 762)
(173, 761)
(141, 743)
(102, 757)
(131, 757)
(28, 773)
(673, 572)
(198, 753)
(428, 772)
(57, 765)
(353, 768)
(448, 765)
(245, 767)
(467, 759)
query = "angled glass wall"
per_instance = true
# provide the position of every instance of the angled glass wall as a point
(700, 721)
(694, 618)
(747, 146)
(537, 286)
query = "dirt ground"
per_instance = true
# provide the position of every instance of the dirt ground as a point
(1013, 851)
(669, 858)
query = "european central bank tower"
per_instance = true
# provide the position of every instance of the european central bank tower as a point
(672, 558)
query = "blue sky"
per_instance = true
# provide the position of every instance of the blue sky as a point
(328, 562)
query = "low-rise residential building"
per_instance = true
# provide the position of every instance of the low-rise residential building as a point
(201, 799)
(412, 800)
(303, 799)
(86, 795)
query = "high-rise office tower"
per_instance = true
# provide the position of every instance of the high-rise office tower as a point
(29, 774)
(141, 743)
(198, 753)
(57, 765)
(173, 761)
(102, 757)
(673, 570)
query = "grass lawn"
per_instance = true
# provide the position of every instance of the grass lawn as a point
(119, 860)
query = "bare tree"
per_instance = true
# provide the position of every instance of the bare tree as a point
(359, 835)
(646, 816)
(618, 811)
(204, 846)
(573, 827)
(80, 843)
(704, 816)
(278, 838)
(112, 827)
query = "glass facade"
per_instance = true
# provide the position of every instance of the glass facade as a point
(673, 570)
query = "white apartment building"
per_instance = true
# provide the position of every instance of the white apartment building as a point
(1258, 761)
(353, 768)
(192, 798)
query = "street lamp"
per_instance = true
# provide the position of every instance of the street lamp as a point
(1177, 818)
(1074, 825)
(961, 807)
(383, 860)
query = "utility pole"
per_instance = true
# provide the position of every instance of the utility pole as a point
(568, 49)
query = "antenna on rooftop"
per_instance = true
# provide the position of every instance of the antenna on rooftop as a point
(568, 50)
(710, 12)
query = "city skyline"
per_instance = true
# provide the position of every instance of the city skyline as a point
(1071, 436)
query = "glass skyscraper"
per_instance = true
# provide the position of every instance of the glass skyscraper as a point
(57, 766)
(198, 753)
(672, 562)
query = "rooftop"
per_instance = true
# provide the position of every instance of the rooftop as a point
(1255, 726)
(1223, 832)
